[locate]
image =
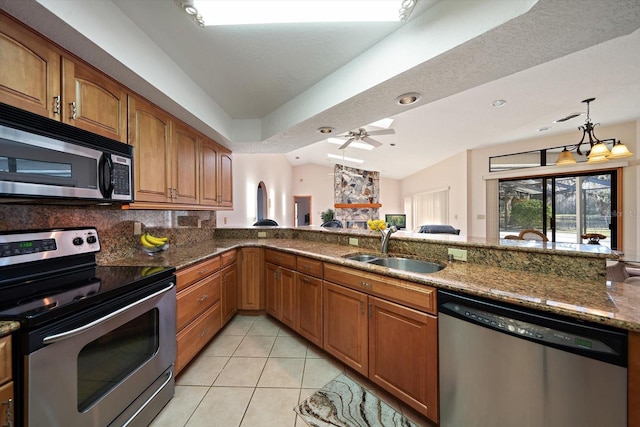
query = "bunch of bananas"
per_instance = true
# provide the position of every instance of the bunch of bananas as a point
(148, 271)
(376, 224)
(152, 244)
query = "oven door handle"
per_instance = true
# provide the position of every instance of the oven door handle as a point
(74, 332)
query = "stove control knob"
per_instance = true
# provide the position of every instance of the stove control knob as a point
(78, 241)
(91, 240)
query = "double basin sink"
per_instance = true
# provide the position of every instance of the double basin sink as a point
(398, 263)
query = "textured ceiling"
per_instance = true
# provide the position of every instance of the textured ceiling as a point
(268, 88)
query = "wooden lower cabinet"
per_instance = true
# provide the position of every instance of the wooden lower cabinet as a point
(196, 335)
(251, 272)
(6, 383)
(309, 308)
(403, 356)
(229, 292)
(281, 295)
(346, 326)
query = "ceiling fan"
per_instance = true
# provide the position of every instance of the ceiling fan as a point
(365, 136)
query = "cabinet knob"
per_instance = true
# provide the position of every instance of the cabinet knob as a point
(203, 298)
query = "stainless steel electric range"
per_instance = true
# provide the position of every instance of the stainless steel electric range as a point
(96, 344)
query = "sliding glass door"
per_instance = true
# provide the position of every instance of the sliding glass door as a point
(564, 208)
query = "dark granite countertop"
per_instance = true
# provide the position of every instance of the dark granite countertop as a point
(615, 304)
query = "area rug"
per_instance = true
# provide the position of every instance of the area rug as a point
(344, 403)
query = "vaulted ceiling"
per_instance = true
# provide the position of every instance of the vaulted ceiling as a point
(267, 89)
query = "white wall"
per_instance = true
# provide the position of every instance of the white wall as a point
(248, 170)
(450, 173)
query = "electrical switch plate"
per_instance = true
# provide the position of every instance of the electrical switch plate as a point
(262, 234)
(458, 254)
(137, 228)
(353, 241)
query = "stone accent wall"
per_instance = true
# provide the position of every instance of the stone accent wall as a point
(356, 186)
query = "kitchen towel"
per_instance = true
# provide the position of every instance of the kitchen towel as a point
(343, 403)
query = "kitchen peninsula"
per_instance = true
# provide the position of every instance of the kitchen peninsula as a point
(561, 279)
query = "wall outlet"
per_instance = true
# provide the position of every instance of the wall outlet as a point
(353, 241)
(458, 254)
(262, 234)
(137, 228)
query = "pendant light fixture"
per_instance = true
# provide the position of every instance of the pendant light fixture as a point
(597, 152)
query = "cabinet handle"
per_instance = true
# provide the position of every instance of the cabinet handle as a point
(9, 420)
(306, 267)
(203, 271)
(203, 298)
(56, 104)
(74, 110)
(305, 279)
(204, 332)
(365, 285)
(361, 307)
(369, 310)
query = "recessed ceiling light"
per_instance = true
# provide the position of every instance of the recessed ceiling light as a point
(408, 98)
(325, 129)
(354, 144)
(346, 159)
(498, 103)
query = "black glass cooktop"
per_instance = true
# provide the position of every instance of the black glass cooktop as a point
(44, 299)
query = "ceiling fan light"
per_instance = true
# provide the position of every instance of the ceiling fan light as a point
(599, 150)
(565, 158)
(619, 151)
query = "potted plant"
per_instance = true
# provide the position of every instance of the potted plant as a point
(327, 215)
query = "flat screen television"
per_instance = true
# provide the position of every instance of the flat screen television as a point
(399, 220)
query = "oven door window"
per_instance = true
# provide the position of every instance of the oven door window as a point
(105, 362)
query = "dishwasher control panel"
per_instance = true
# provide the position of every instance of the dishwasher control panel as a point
(524, 329)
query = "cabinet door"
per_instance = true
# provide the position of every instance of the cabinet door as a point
(403, 354)
(346, 325)
(309, 307)
(6, 404)
(229, 292)
(288, 297)
(194, 300)
(209, 177)
(93, 102)
(273, 289)
(225, 179)
(251, 279)
(149, 133)
(29, 70)
(185, 166)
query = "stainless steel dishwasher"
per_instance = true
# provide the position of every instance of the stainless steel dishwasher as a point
(502, 365)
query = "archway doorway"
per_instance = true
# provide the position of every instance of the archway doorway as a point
(301, 211)
(261, 202)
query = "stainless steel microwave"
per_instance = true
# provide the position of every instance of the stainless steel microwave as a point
(42, 158)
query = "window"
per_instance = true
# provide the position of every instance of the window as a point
(563, 207)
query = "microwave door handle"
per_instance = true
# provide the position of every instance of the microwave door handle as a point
(105, 175)
(75, 332)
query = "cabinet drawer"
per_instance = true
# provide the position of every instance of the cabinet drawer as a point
(6, 395)
(191, 302)
(280, 258)
(196, 335)
(5, 359)
(309, 266)
(192, 274)
(228, 258)
(413, 295)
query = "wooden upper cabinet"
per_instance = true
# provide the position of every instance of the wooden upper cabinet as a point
(185, 166)
(93, 102)
(226, 179)
(210, 184)
(150, 135)
(29, 70)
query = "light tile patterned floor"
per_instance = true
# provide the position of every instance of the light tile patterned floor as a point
(253, 374)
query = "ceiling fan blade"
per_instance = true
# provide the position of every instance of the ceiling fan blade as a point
(371, 141)
(381, 132)
(346, 144)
